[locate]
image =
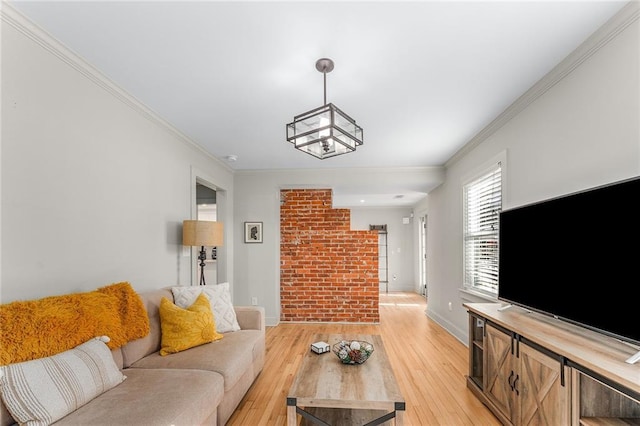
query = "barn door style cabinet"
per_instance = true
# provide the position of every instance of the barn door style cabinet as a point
(527, 384)
(530, 369)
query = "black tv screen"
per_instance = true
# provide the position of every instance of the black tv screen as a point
(576, 257)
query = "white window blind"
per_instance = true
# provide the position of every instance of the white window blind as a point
(482, 205)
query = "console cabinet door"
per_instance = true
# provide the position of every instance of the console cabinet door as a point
(499, 370)
(543, 398)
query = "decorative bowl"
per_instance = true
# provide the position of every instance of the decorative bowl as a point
(353, 351)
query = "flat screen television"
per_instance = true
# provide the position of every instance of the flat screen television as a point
(576, 258)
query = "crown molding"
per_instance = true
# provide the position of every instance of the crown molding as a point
(24, 25)
(355, 170)
(629, 14)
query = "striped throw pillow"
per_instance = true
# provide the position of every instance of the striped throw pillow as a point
(41, 391)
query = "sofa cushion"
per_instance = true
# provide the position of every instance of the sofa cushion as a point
(154, 397)
(186, 328)
(136, 349)
(5, 416)
(44, 390)
(219, 296)
(230, 356)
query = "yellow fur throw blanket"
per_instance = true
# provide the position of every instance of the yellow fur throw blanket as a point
(44, 327)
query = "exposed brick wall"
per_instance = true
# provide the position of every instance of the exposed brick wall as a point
(328, 273)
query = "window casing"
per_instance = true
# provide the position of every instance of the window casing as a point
(482, 204)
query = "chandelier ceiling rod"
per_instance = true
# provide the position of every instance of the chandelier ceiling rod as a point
(325, 65)
(324, 74)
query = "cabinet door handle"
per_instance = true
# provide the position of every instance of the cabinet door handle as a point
(509, 380)
(515, 384)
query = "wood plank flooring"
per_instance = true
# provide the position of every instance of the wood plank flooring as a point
(428, 362)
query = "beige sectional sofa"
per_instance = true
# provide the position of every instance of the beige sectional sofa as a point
(201, 385)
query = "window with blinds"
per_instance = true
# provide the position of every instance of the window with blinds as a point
(482, 205)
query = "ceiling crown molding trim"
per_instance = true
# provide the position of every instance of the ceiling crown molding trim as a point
(629, 14)
(331, 170)
(17, 20)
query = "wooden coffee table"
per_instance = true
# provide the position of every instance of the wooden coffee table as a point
(327, 392)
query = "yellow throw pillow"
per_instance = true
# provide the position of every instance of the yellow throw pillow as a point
(185, 328)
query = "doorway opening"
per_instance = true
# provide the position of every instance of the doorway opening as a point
(383, 258)
(206, 209)
(423, 254)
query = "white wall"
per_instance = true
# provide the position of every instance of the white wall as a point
(583, 132)
(257, 198)
(400, 247)
(94, 186)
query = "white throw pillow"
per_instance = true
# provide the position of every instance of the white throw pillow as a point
(41, 391)
(220, 299)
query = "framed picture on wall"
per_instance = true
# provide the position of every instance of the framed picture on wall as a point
(253, 232)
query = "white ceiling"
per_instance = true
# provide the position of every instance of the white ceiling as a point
(421, 77)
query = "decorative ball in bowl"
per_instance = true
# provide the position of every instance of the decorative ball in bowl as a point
(353, 351)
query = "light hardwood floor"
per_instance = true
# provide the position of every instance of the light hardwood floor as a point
(428, 362)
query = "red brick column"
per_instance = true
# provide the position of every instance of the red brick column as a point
(328, 273)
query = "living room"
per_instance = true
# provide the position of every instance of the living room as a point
(95, 186)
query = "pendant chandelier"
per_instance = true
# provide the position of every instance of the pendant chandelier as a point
(325, 131)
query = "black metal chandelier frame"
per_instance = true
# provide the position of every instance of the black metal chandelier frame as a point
(326, 131)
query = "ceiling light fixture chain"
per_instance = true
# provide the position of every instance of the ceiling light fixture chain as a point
(325, 131)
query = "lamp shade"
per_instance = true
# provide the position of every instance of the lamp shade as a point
(202, 233)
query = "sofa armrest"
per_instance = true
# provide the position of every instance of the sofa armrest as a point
(250, 317)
